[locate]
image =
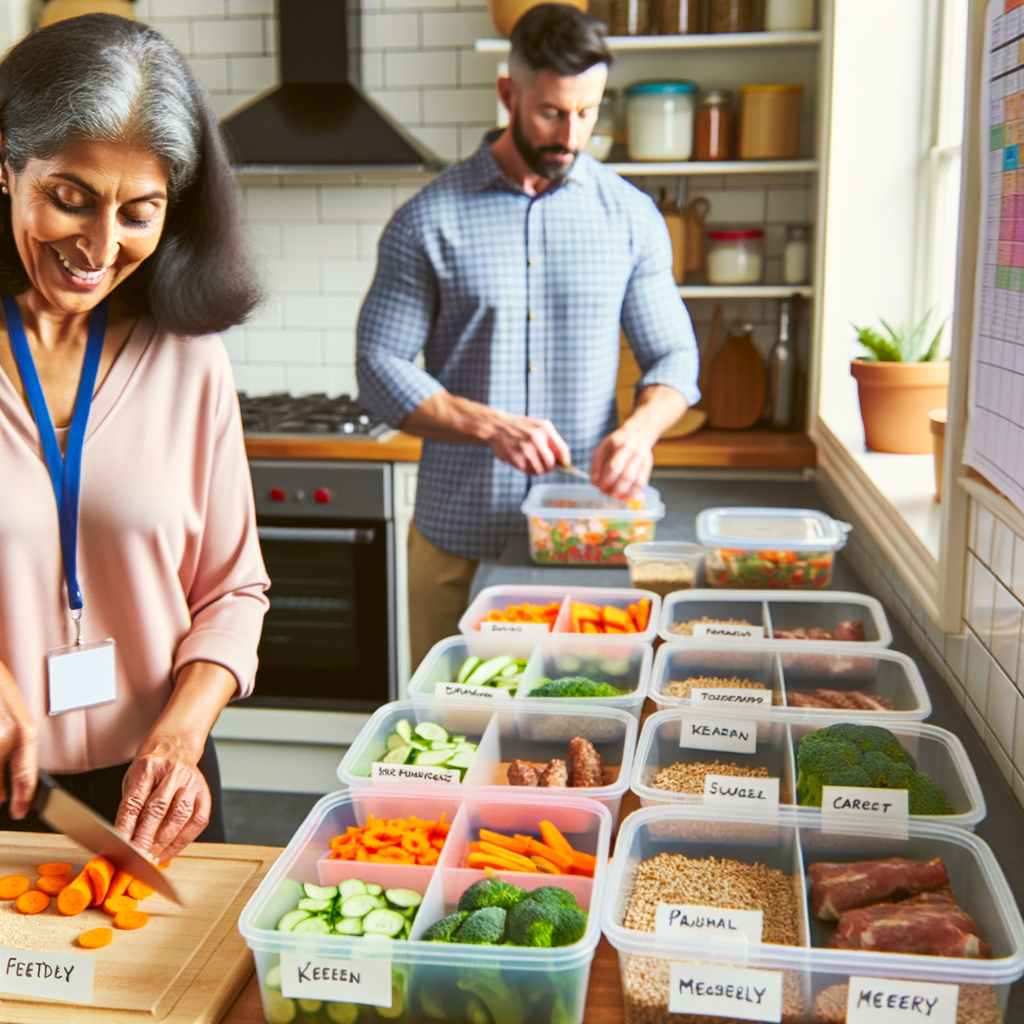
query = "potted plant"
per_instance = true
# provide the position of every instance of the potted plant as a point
(899, 382)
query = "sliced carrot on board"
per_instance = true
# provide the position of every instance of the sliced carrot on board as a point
(113, 905)
(554, 839)
(12, 886)
(56, 867)
(119, 884)
(96, 938)
(139, 890)
(75, 896)
(129, 920)
(100, 873)
(52, 884)
(32, 902)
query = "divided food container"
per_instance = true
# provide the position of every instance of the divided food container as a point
(937, 752)
(625, 664)
(428, 980)
(767, 612)
(503, 734)
(810, 971)
(798, 666)
(577, 524)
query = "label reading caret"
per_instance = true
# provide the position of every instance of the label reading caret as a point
(689, 921)
(341, 981)
(518, 628)
(888, 1001)
(727, 631)
(742, 791)
(729, 697)
(734, 735)
(462, 690)
(725, 992)
(63, 977)
(855, 808)
(414, 773)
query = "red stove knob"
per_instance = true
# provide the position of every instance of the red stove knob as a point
(322, 496)
(276, 494)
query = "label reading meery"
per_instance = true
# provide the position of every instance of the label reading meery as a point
(846, 808)
(742, 791)
(63, 977)
(414, 773)
(462, 690)
(737, 736)
(519, 628)
(888, 1001)
(341, 981)
(676, 921)
(725, 992)
(726, 630)
(729, 697)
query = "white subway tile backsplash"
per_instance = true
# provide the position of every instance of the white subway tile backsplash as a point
(404, 105)
(350, 277)
(735, 207)
(1018, 735)
(177, 32)
(250, 6)
(956, 653)
(1017, 582)
(252, 74)
(789, 205)
(268, 314)
(237, 36)
(265, 239)
(1001, 706)
(186, 8)
(259, 380)
(999, 756)
(305, 380)
(458, 106)
(320, 310)
(371, 67)
(983, 534)
(1006, 629)
(980, 599)
(368, 234)
(212, 72)
(294, 275)
(234, 342)
(280, 204)
(443, 141)
(415, 70)
(979, 666)
(478, 68)
(457, 29)
(339, 347)
(267, 346)
(331, 240)
(1001, 562)
(975, 717)
(390, 31)
(365, 203)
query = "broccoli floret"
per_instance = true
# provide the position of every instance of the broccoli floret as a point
(491, 892)
(927, 796)
(552, 894)
(545, 923)
(443, 930)
(574, 686)
(503, 1001)
(870, 737)
(483, 927)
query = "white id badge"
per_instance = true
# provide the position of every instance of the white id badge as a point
(81, 676)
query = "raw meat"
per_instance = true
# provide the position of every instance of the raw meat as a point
(851, 700)
(836, 888)
(796, 699)
(852, 629)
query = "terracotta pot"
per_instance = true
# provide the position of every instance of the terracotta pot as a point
(505, 13)
(895, 399)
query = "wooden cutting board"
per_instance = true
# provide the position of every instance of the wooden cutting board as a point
(185, 967)
(736, 386)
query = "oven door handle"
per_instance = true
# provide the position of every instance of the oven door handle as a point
(325, 535)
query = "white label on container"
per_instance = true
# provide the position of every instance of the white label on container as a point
(729, 696)
(462, 690)
(737, 736)
(414, 773)
(685, 920)
(889, 1001)
(341, 981)
(519, 628)
(742, 791)
(725, 992)
(852, 808)
(727, 631)
(63, 977)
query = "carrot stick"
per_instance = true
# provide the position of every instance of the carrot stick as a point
(562, 861)
(554, 839)
(95, 938)
(486, 860)
(643, 616)
(32, 902)
(589, 627)
(545, 866)
(139, 890)
(52, 884)
(113, 905)
(100, 873)
(497, 851)
(75, 896)
(515, 845)
(12, 886)
(57, 867)
(583, 860)
(129, 920)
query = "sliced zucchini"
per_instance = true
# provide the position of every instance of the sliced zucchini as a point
(459, 760)
(404, 729)
(398, 755)
(273, 978)
(320, 892)
(291, 919)
(467, 667)
(394, 740)
(310, 1005)
(486, 671)
(352, 887)
(457, 739)
(438, 745)
(510, 670)
(397, 1007)
(464, 748)
(432, 732)
(403, 898)
(433, 758)
(360, 906)
(279, 1009)
(349, 926)
(314, 906)
(383, 922)
(313, 926)
(374, 889)
(342, 1013)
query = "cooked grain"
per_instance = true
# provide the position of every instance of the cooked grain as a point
(682, 687)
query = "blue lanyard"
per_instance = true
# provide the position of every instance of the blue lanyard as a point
(65, 471)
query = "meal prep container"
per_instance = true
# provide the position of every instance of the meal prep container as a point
(523, 730)
(776, 609)
(803, 666)
(777, 548)
(440, 973)
(665, 566)
(811, 968)
(577, 524)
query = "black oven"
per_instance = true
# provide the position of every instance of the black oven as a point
(327, 533)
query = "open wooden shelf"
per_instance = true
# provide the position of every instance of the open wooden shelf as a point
(697, 41)
(638, 168)
(745, 291)
(739, 449)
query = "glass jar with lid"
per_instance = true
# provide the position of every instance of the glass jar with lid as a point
(712, 136)
(602, 139)
(629, 17)
(735, 257)
(659, 120)
(733, 16)
(678, 17)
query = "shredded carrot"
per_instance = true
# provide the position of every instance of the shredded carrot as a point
(57, 867)
(12, 886)
(95, 938)
(129, 920)
(52, 884)
(75, 896)
(410, 840)
(139, 890)
(32, 902)
(554, 839)
(525, 612)
(429, 858)
(113, 905)
(100, 873)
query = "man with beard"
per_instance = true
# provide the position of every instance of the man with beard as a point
(511, 273)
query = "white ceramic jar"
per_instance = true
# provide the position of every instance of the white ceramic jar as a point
(788, 15)
(659, 119)
(735, 257)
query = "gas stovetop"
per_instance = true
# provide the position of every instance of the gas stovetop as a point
(338, 417)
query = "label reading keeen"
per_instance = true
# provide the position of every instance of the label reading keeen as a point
(729, 697)
(341, 981)
(414, 773)
(741, 992)
(727, 631)
(889, 1001)
(737, 736)
(855, 808)
(690, 921)
(462, 690)
(63, 977)
(754, 793)
(518, 628)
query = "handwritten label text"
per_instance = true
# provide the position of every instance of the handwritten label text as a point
(730, 734)
(725, 992)
(367, 982)
(888, 1001)
(691, 921)
(414, 773)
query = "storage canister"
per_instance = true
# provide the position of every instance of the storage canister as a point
(629, 18)
(735, 257)
(659, 117)
(678, 17)
(770, 122)
(732, 16)
(789, 15)
(713, 132)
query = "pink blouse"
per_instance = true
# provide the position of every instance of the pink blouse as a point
(168, 557)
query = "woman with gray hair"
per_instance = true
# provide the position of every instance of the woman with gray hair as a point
(131, 581)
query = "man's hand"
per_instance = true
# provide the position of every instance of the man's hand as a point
(529, 445)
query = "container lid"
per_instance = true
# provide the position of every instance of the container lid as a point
(713, 96)
(664, 551)
(573, 501)
(791, 529)
(660, 88)
(733, 235)
(771, 88)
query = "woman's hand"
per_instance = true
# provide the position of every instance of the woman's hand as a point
(19, 747)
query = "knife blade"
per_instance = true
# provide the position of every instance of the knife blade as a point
(63, 812)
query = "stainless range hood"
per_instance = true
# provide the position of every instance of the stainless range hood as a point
(316, 119)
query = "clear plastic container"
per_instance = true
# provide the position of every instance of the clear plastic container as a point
(770, 547)
(424, 975)
(769, 611)
(798, 666)
(809, 969)
(578, 525)
(735, 257)
(665, 566)
(521, 730)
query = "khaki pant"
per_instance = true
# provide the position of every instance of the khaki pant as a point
(439, 584)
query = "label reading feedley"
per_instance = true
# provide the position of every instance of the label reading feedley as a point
(734, 735)
(367, 982)
(414, 773)
(728, 697)
(893, 1001)
(741, 992)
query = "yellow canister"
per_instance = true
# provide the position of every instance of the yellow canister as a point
(769, 126)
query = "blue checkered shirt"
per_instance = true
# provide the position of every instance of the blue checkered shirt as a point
(515, 301)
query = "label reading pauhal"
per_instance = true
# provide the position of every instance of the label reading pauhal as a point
(889, 1001)
(414, 773)
(845, 808)
(63, 977)
(462, 690)
(743, 791)
(741, 992)
(729, 697)
(685, 920)
(727, 631)
(367, 982)
(735, 735)
(519, 628)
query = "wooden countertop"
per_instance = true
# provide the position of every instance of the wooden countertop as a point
(742, 449)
